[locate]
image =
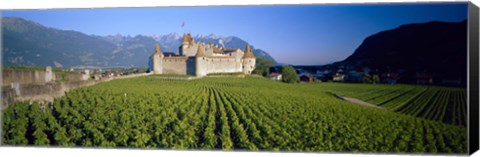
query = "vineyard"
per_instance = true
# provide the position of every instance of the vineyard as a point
(442, 104)
(239, 114)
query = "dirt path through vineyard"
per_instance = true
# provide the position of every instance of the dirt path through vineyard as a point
(360, 102)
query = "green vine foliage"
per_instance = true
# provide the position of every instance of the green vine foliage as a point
(251, 113)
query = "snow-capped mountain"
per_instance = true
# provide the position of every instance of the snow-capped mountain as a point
(27, 43)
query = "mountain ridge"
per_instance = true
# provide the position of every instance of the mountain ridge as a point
(435, 48)
(28, 43)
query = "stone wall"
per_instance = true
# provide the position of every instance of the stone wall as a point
(191, 64)
(188, 50)
(23, 76)
(174, 65)
(183, 65)
(69, 77)
(36, 76)
(41, 92)
(74, 77)
(222, 64)
(8, 96)
(249, 65)
(228, 61)
(47, 92)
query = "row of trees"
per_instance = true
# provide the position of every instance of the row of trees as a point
(289, 74)
(262, 67)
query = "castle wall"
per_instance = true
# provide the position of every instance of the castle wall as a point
(157, 67)
(200, 66)
(209, 52)
(238, 54)
(49, 91)
(174, 65)
(23, 76)
(190, 63)
(73, 77)
(222, 64)
(36, 76)
(249, 65)
(8, 96)
(225, 61)
(187, 65)
(189, 50)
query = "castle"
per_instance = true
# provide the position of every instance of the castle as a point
(200, 59)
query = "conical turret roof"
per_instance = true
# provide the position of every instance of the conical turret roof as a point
(200, 51)
(157, 50)
(248, 52)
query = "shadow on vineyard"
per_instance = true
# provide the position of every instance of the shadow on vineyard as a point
(249, 113)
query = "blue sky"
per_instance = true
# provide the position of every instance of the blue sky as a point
(294, 34)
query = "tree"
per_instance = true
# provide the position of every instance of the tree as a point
(289, 75)
(367, 78)
(262, 67)
(376, 79)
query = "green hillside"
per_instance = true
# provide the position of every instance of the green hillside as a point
(224, 113)
(26, 43)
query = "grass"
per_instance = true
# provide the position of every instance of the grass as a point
(225, 74)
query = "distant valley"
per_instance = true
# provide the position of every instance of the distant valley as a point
(436, 50)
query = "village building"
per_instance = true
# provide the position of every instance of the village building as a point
(307, 78)
(338, 77)
(200, 59)
(276, 76)
(424, 78)
(390, 78)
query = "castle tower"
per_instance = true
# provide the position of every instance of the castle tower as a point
(157, 60)
(187, 44)
(200, 64)
(248, 63)
(186, 39)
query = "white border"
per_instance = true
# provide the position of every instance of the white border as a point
(57, 4)
(88, 152)
(50, 4)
